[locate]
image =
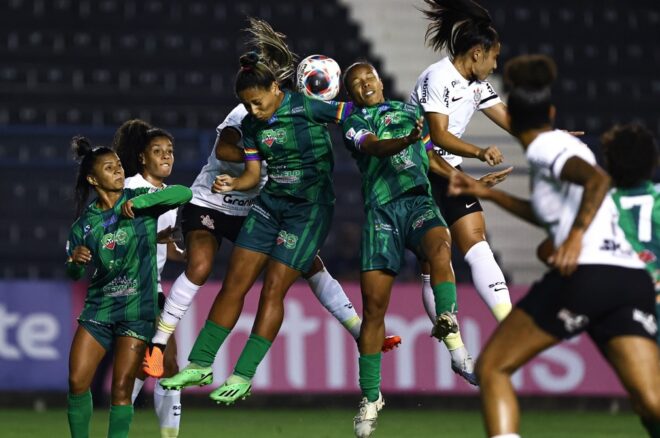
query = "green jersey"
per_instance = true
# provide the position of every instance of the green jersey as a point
(295, 144)
(639, 217)
(124, 285)
(386, 178)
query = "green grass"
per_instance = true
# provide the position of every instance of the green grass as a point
(236, 422)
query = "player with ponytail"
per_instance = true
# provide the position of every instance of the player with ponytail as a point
(596, 283)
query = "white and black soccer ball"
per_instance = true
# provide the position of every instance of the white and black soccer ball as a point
(319, 77)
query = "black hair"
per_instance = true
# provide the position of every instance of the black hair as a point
(131, 140)
(348, 69)
(631, 154)
(86, 155)
(273, 51)
(459, 25)
(530, 78)
(253, 73)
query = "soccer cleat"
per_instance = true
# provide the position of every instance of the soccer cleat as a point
(364, 423)
(152, 364)
(390, 343)
(465, 369)
(445, 323)
(235, 388)
(192, 375)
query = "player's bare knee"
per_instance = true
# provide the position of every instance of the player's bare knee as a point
(198, 271)
(77, 385)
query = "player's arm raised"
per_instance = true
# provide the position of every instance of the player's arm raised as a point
(370, 144)
(440, 135)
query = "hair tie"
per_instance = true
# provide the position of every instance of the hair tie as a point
(246, 68)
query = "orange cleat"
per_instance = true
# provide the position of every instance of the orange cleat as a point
(152, 364)
(390, 343)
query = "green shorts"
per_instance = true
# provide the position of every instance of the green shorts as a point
(391, 228)
(106, 332)
(289, 230)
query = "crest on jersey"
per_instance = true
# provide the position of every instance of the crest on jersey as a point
(270, 136)
(647, 256)
(477, 96)
(391, 118)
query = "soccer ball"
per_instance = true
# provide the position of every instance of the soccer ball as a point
(319, 77)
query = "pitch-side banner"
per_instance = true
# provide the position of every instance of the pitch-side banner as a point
(35, 335)
(314, 353)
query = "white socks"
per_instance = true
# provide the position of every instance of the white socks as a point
(489, 280)
(428, 298)
(137, 387)
(177, 303)
(331, 295)
(167, 403)
(506, 435)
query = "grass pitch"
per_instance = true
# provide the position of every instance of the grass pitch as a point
(305, 423)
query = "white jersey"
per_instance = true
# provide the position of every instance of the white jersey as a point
(167, 219)
(442, 89)
(556, 202)
(233, 203)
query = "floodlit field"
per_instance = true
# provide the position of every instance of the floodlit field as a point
(305, 423)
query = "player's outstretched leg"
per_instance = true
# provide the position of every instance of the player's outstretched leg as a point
(191, 375)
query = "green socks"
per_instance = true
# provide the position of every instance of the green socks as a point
(79, 411)
(254, 352)
(370, 375)
(208, 343)
(652, 427)
(445, 297)
(120, 421)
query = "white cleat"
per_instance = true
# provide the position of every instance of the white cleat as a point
(445, 323)
(364, 423)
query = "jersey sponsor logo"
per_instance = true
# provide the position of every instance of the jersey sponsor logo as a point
(428, 215)
(383, 108)
(470, 205)
(572, 322)
(111, 220)
(456, 99)
(287, 176)
(241, 202)
(206, 220)
(453, 83)
(350, 134)
(289, 240)
(445, 97)
(402, 160)
(270, 136)
(379, 226)
(425, 90)
(258, 209)
(647, 321)
(87, 229)
(121, 286)
(297, 109)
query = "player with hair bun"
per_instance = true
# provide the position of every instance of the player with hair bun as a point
(283, 230)
(115, 235)
(212, 216)
(597, 283)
